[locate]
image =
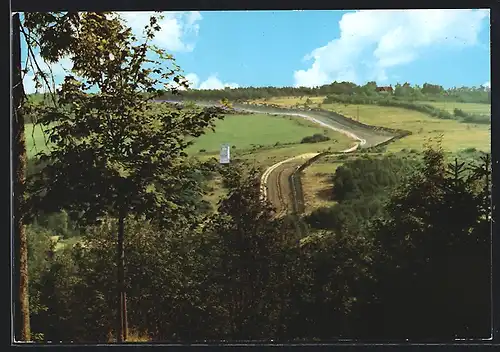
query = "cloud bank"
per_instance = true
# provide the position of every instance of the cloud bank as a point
(373, 41)
(212, 82)
(178, 29)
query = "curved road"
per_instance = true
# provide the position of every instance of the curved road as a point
(274, 180)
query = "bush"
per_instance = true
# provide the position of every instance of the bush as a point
(459, 113)
(480, 119)
(470, 150)
(315, 138)
(323, 218)
(58, 224)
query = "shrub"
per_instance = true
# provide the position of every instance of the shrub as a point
(470, 150)
(315, 138)
(459, 113)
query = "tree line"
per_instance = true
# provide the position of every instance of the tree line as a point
(406, 91)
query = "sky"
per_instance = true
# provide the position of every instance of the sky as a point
(311, 48)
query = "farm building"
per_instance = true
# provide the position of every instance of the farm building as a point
(385, 89)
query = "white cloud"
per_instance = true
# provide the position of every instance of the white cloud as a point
(212, 82)
(178, 29)
(193, 80)
(388, 38)
(178, 32)
(487, 84)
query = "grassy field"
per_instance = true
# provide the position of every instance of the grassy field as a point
(317, 183)
(247, 131)
(265, 139)
(266, 156)
(35, 140)
(456, 135)
(471, 108)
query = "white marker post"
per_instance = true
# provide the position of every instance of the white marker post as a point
(224, 154)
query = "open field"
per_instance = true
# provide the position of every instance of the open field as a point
(471, 108)
(456, 135)
(265, 139)
(247, 131)
(264, 158)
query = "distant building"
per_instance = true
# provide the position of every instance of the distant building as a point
(385, 89)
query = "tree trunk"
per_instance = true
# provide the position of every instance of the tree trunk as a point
(20, 265)
(122, 325)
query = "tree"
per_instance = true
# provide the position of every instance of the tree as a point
(370, 88)
(244, 246)
(21, 301)
(114, 151)
(429, 266)
(36, 22)
(428, 88)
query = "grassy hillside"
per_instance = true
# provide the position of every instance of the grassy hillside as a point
(471, 108)
(456, 135)
(246, 131)
(264, 139)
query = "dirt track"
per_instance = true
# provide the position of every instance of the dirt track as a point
(276, 187)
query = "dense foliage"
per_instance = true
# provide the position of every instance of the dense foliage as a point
(360, 188)
(241, 274)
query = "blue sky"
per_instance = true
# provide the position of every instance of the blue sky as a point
(310, 48)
